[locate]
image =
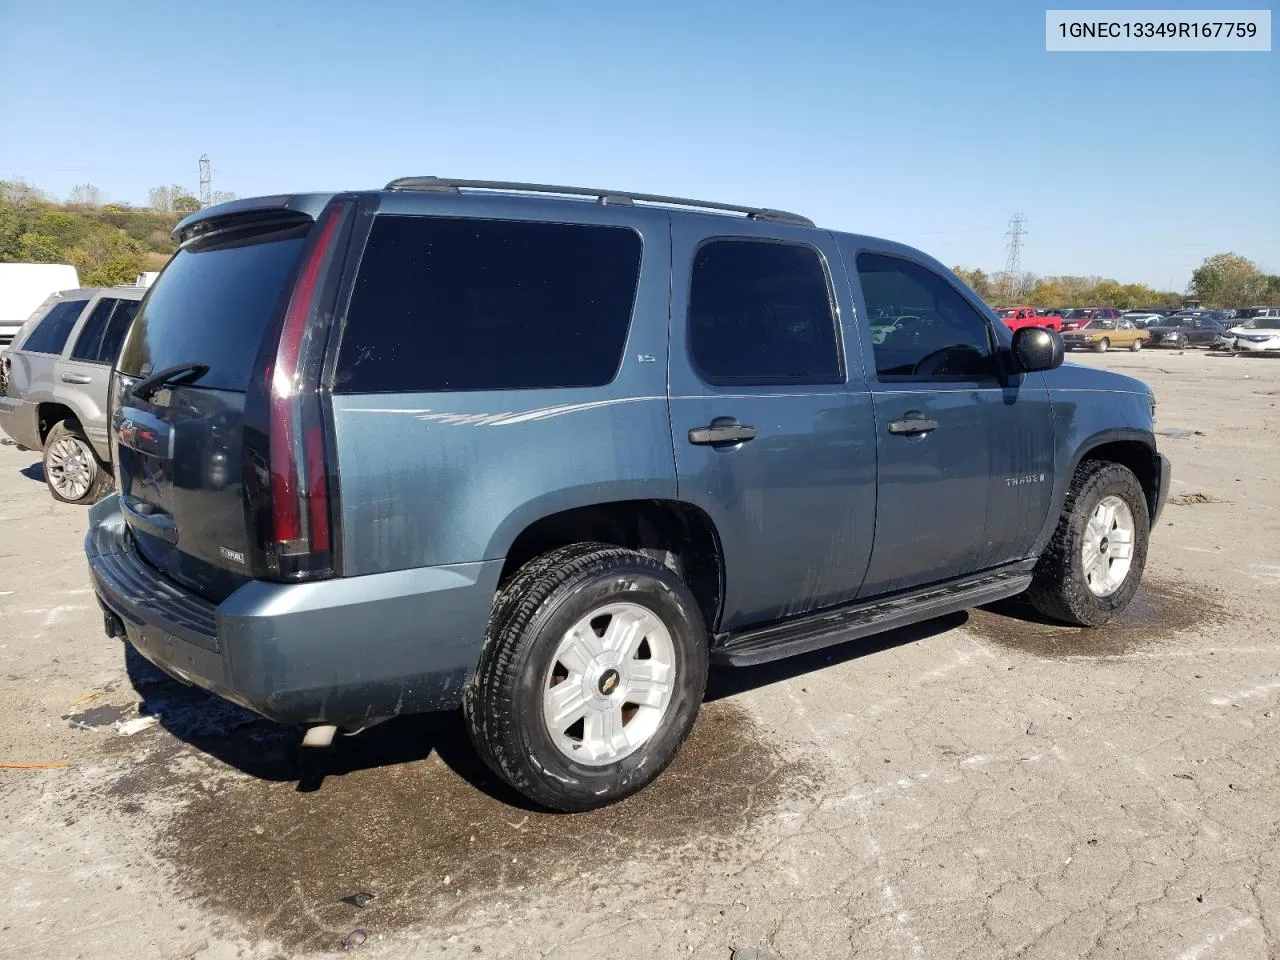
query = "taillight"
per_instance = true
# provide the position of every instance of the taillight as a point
(300, 537)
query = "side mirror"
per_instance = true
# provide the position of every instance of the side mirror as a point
(1035, 348)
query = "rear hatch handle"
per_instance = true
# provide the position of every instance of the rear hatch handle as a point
(182, 373)
(149, 518)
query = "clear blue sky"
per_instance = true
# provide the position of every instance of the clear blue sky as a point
(929, 122)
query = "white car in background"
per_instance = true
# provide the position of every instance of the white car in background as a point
(1260, 333)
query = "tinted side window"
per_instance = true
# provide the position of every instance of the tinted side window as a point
(921, 327)
(761, 313)
(449, 303)
(90, 338)
(117, 327)
(51, 335)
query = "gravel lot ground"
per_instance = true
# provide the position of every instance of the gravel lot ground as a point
(981, 786)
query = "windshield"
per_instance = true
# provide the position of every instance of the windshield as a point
(1262, 323)
(1076, 315)
(1100, 325)
(1006, 313)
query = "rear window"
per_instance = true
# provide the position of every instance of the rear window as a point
(211, 305)
(447, 304)
(50, 335)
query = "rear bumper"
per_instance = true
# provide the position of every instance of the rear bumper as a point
(18, 419)
(343, 651)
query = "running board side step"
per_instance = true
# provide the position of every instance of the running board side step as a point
(818, 630)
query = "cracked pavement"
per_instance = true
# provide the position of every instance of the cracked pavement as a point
(979, 786)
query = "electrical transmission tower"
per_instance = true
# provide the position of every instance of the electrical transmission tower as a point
(1013, 265)
(206, 181)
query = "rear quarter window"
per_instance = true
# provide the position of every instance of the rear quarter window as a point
(450, 304)
(50, 334)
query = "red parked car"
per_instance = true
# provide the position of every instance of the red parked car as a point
(1075, 319)
(1015, 318)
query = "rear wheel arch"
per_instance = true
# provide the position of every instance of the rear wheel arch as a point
(676, 533)
(49, 415)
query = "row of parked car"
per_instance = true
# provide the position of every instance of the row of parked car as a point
(1253, 329)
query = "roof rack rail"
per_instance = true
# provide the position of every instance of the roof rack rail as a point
(622, 197)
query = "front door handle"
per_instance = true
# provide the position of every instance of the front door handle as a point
(722, 431)
(76, 378)
(913, 424)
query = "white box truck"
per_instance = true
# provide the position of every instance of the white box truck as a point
(24, 287)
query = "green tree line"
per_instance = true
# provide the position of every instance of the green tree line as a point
(1225, 280)
(107, 243)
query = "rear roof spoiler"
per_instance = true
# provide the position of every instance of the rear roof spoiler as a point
(203, 221)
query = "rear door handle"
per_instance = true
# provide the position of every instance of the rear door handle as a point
(149, 518)
(76, 378)
(912, 425)
(722, 431)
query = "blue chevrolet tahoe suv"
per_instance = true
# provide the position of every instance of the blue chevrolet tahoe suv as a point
(544, 453)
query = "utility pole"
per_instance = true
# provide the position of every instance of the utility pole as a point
(206, 181)
(1013, 265)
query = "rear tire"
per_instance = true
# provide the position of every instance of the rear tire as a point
(1092, 567)
(72, 471)
(573, 635)
(1136, 345)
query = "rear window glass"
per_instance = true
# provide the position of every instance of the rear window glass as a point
(211, 305)
(446, 304)
(50, 336)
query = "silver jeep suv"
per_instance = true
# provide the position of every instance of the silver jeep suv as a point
(54, 379)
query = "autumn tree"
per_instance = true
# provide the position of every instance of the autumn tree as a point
(1230, 280)
(977, 281)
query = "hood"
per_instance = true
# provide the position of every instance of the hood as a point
(1076, 376)
(1254, 331)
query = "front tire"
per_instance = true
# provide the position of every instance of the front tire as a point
(1136, 345)
(1102, 345)
(72, 470)
(593, 671)
(1094, 562)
